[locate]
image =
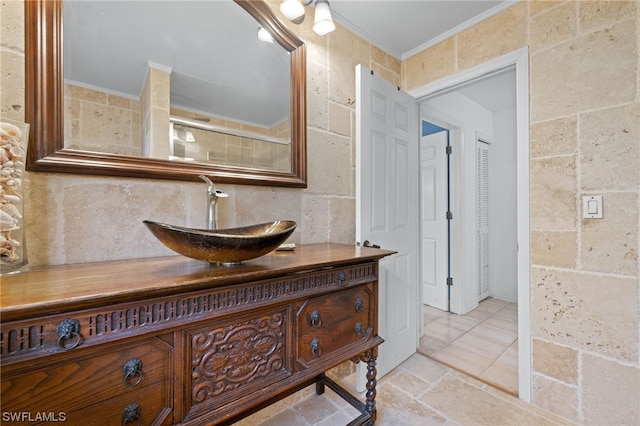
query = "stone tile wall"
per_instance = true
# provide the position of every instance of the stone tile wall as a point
(91, 117)
(585, 140)
(104, 122)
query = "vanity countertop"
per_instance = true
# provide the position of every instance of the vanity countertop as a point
(56, 289)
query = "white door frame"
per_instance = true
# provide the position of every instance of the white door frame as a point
(520, 60)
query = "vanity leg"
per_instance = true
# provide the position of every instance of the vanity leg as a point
(319, 387)
(371, 388)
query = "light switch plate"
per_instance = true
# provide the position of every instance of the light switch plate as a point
(592, 207)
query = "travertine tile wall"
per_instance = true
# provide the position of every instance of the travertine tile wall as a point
(91, 116)
(104, 122)
(585, 140)
(221, 148)
(155, 113)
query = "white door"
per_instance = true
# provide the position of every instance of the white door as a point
(433, 212)
(482, 217)
(387, 208)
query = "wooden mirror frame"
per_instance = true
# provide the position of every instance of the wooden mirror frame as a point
(44, 111)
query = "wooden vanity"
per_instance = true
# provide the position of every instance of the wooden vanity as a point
(177, 341)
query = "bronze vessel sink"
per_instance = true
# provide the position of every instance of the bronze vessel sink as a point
(232, 245)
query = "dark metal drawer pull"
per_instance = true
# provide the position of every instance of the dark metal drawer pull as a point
(68, 332)
(131, 413)
(315, 348)
(133, 372)
(359, 306)
(359, 331)
(315, 319)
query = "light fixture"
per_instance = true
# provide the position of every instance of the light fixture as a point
(323, 23)
(189, 137)
(293, 10)
(264, 35)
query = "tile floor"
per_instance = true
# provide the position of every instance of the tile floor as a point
(419, 392)
(482, 343)
(422, 391)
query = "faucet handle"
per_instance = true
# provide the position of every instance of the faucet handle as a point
(212, 188)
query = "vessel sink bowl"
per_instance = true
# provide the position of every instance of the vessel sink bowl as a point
(232, 245)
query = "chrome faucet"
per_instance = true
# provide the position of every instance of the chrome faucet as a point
(213, 196)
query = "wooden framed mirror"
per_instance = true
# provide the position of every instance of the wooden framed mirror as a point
(44, 92)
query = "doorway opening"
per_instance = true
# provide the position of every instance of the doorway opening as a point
(485, 111)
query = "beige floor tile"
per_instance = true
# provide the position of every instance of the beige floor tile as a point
(442, 331)
(314, 410)
(436, 395)
(480, 345)
(502, 324)
(491, 305)
(398, 407)
(493, 338)
(469, 405)
(503, 373)
(424, 368)
(459, 322)
(503, 376)
(497, 334)
(430, 346)
(480, 315)
(507, 313)
(463, 356)
(284, 418)
(432, 314)
(510, 356)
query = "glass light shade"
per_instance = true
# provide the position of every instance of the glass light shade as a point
(323, 22)
(264, 35)
(293, 10)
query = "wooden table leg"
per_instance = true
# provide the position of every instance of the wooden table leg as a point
(371, 387)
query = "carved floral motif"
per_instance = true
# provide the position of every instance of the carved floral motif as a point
(227, 357)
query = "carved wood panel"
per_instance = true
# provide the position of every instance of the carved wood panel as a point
(234, 358)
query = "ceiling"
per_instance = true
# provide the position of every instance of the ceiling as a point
(210, 49)
(184, 44)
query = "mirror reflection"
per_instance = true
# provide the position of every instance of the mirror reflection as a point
(186, 81)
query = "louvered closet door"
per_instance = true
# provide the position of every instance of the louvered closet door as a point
(482, 217)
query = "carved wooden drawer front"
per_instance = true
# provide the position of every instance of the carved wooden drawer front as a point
(96, 385)
(333, 321)
(230, 359)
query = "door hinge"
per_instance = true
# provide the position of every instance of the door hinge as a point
(449, 216)
(449, 281)
(449, 150)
